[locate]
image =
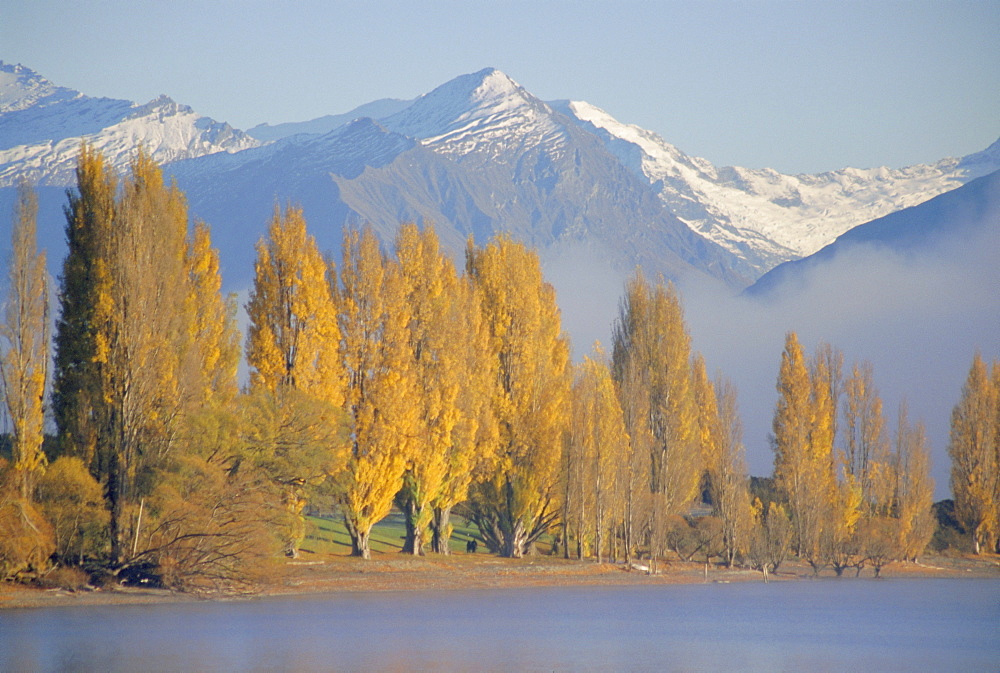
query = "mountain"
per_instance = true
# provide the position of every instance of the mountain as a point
(477, 156)
(42, 126)
(762, 215)
(965, 217)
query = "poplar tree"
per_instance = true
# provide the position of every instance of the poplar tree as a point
(913, 488)
(975, 463)
(381, 385)
(475, 438)
(595, 451)
(517, 501)
(866, 448)
(294, 333)
(293, 346)
(212, 350)
(652, 363)
(140, 350)
(24, 344)
(730, 484)
(437, 331)
(803, 440)
(78, 401)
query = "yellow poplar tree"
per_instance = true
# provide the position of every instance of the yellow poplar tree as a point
(652, 351)
(866, 448)
(294, 332)
(143, 345)
(436, 331)
(213, 344)
(973, 447)
(914, 487)
(381, 385)
(24, 344)
(597, 446)
(802, 430)
(730, 483)
(475, 438)
(529, 355)
(293, 339)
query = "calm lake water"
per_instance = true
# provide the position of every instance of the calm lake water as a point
(822, 625)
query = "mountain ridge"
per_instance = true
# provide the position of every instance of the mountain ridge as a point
(547, 171)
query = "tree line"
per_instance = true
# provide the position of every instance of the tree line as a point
(395, 379)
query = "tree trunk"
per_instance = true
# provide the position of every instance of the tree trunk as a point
(414, 541)
(514, 541)
(360, 545)
(441, 530)
(117, 528)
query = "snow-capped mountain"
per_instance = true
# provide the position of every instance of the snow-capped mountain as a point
(966, 219)
(477, 156)
(481, 117)
(763, 215)
(42, 126)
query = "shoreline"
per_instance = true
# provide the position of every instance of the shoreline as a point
(318, 575)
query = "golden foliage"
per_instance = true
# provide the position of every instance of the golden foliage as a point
(294, 335)
(974, 447)
(24, 344)
(529, 356)
(381, 384)
(73, 503)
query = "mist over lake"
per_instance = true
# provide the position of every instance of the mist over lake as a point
(821, 625)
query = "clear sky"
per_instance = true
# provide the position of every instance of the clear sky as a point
(798, 86)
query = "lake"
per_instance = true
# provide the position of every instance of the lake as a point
(818, 625)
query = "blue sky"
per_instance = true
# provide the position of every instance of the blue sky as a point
(798, 86)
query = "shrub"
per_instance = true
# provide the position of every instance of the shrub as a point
(73, 503)
(64, 577)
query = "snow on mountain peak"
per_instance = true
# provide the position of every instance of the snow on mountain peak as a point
(762, 214)
(21, 87)
(482, 112)
(42, 126)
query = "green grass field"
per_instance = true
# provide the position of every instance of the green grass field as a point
(328, 536)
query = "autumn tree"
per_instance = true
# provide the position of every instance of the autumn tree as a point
(634, 501)
(146, 349)
(212, 349)
(973, 447)
(803, 441)
(652, 363)
(730, 481)
(27, 541)
(381, 385)
(78, 401)
(293, 341)
(117, 347)
(475, 438)
(517, 501)
(865, 445)
(24, 345)
(140, 348)
(437, 332)
(913, 487)
(770, 538)
(596, 447)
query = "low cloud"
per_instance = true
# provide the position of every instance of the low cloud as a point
(918, 318)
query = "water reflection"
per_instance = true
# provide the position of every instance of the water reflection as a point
(825, 625)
